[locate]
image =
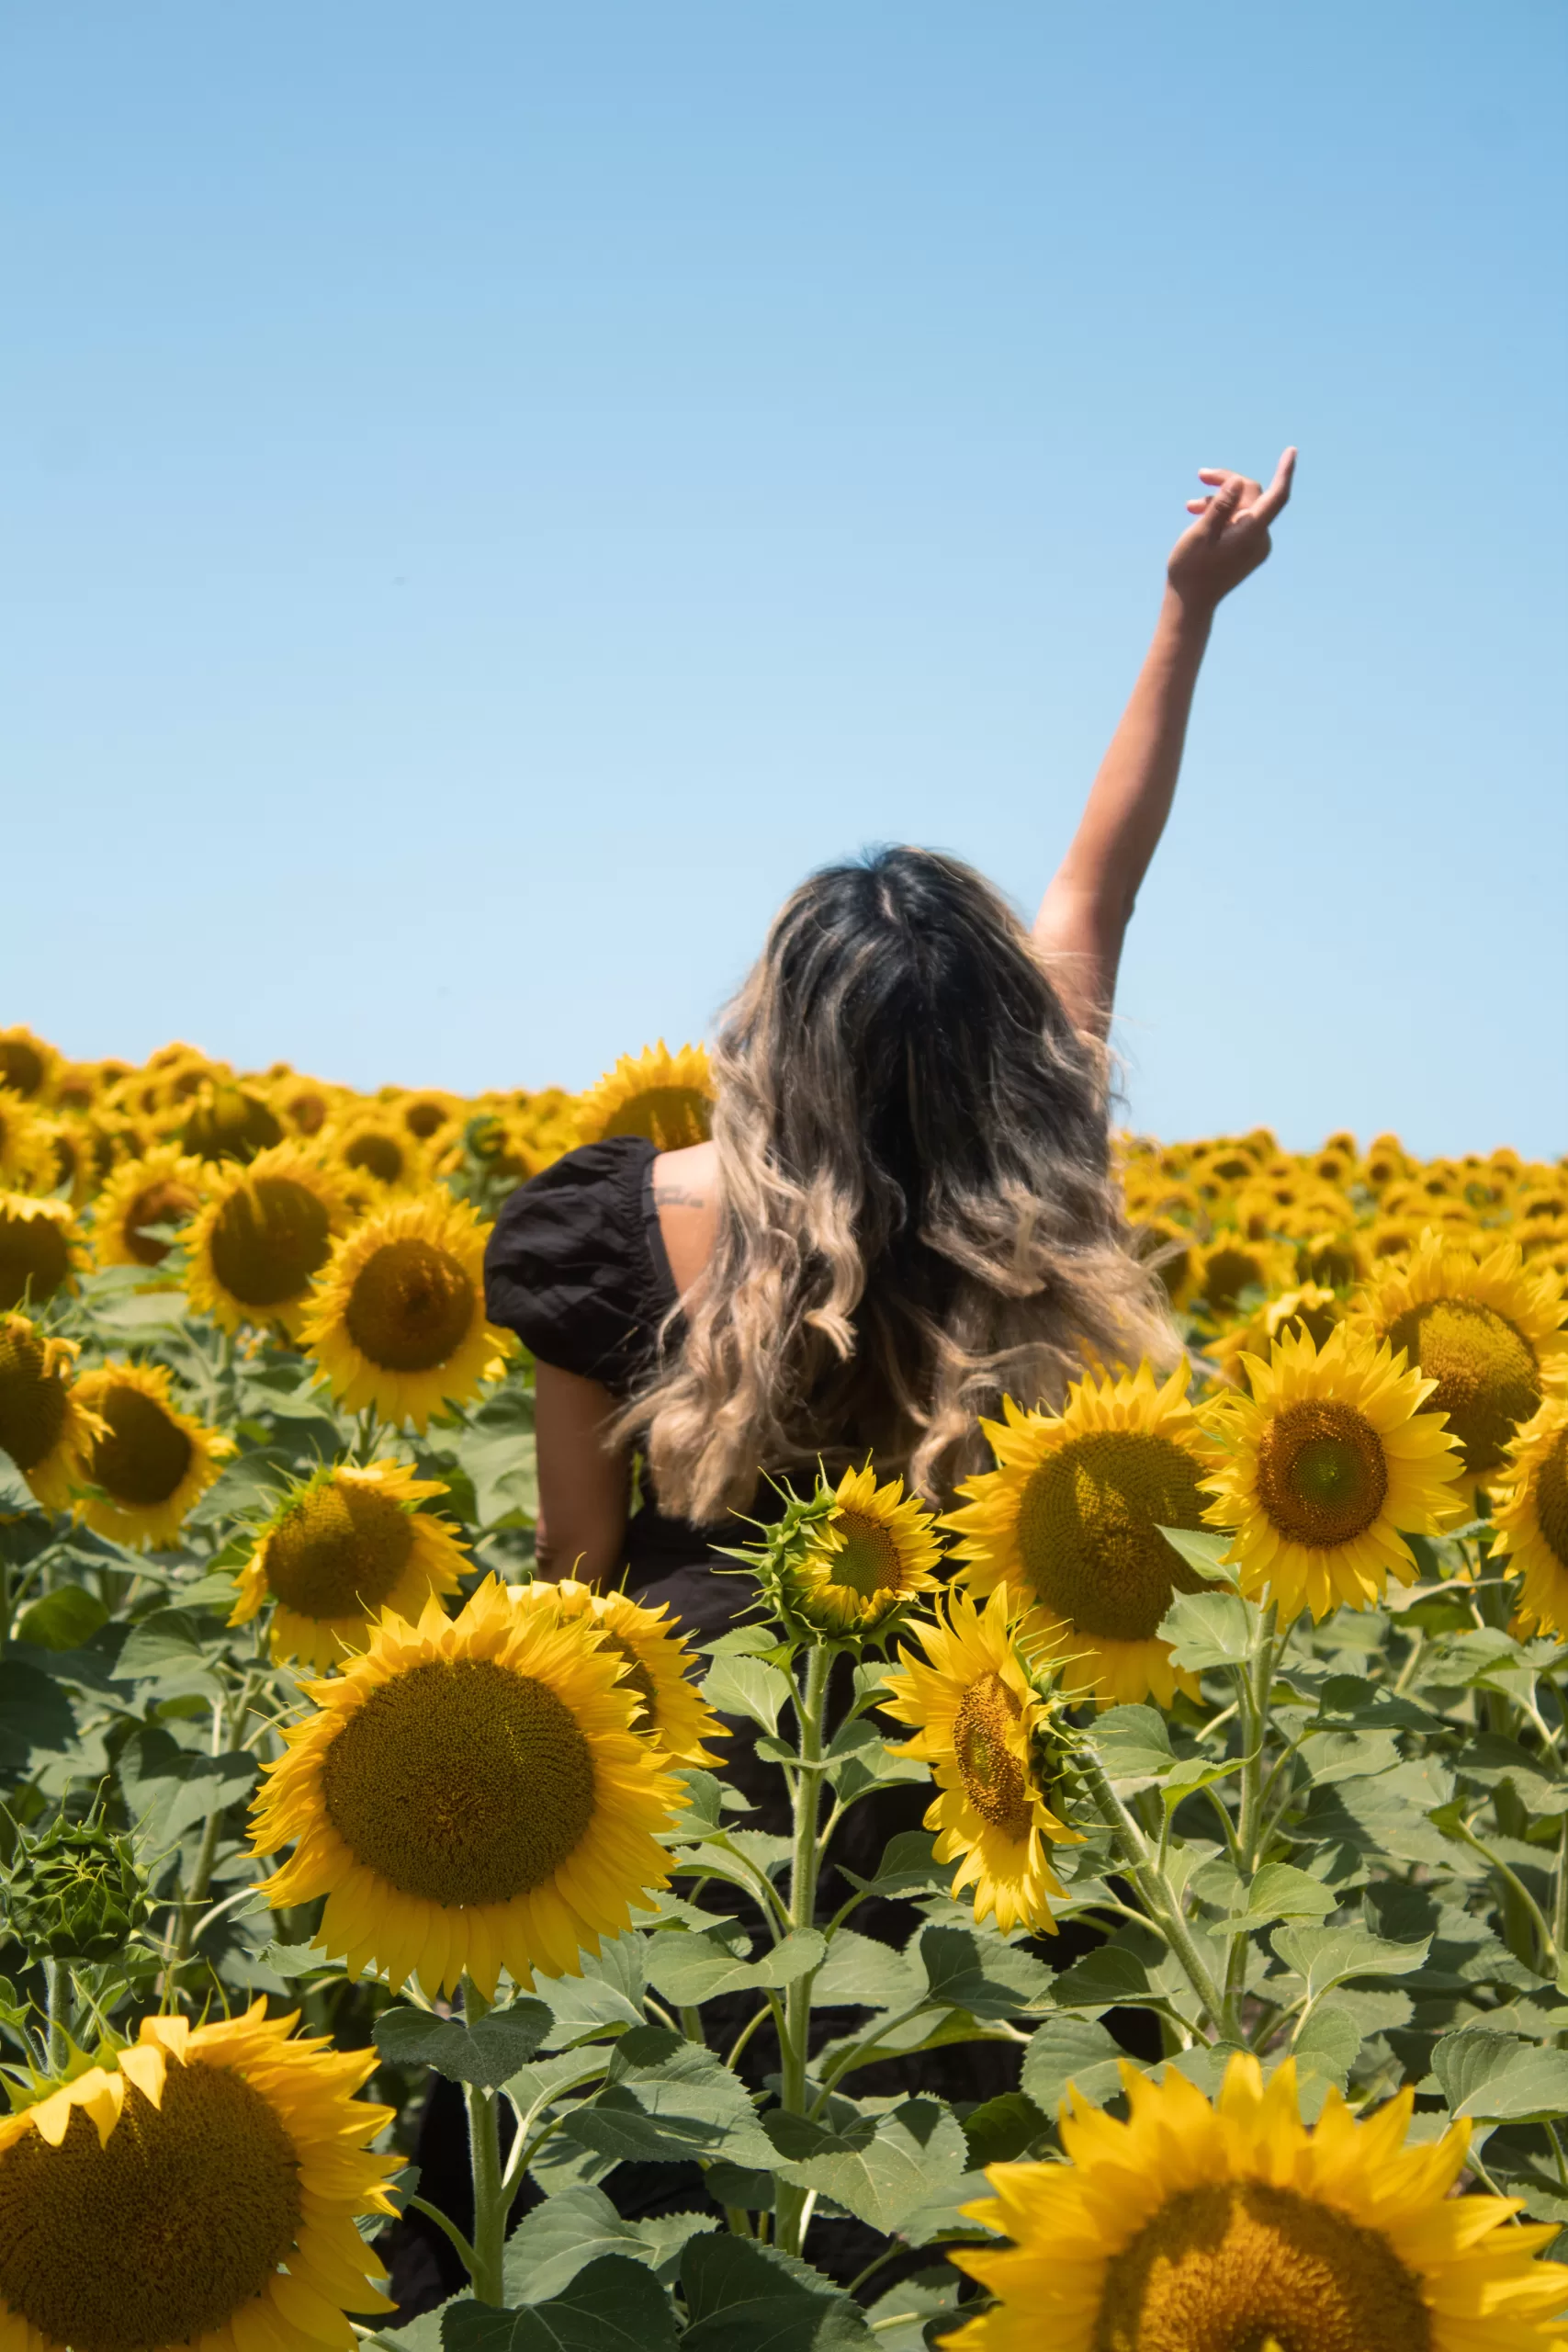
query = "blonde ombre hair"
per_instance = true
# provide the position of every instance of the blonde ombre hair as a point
(918, 1212)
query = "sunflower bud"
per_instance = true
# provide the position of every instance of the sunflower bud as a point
(75, 1893)
(845, 1563)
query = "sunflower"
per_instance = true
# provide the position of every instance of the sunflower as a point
(152, 1463)
(1335, 1258)
(656, 1664)
(1487, 1331)
(263, 1233)
(344, 1546)
(1234, 2225)
(39, 1249)
(666, 1097)
(1071, 1516)
(1231, 1264)
(228, 1122)
(424, 1114)
(1384, 1164)
(1325, 1469)
(1530, 1515)
(1392, 1237)
(165, 1187)
(398, 1320)
(375, 1144)
(867, 1556)
(977, 1714)
(27, 1152)
(44, 1427)
(27, 1065)
(151, 2201)
(469, 1795)
(303, 1102)
(1168, 1251)
(1309, 1307)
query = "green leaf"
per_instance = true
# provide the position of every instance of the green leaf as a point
(298, 1959)
(1490, 1758)
(1328, 2046)
(1132, 1744)
(1331, 1756)
(1071, 2050)
(689, 1969)
(1001, 2130)
(967, 1970)
(486, 2053)
(1324, 1957)
(613, 2305)
(1280, 1891)
(667, 2099)
(63, 1618)
(164, 1646)
(899, 2318)
(908, 1867)
(1495, 2076)
(1204, 1553)
(1209, 1629)
(745, 1686)
(742, 2297)
(34, 1713)
(1361, 1705)
(169, 1789)
(561, 2237)
(860, 1971)
(1103, 1979)
(605, 1997)
(882, 2168)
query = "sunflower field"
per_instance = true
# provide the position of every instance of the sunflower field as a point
(1127, 1913)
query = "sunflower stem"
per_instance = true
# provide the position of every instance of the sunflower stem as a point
(1254, 1683)
(794, 2206)
(488, 2266)
(57, 1999)
(1162, 1906)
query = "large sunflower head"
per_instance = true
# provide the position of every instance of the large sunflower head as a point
(1531, 1515)
(151, 1462)
(26, 1147)
(977, 1717)
(1071, 1517)
(265, 1233)
(873, 1551)
(349, 1543)
(378, 1149)
(1327, 1467)
(39, 1251)
(198, 2188)
(1231, 2227)
(656, 1664)
(163, 1188)
(666, 1097)
(1487, 1331)
(44, 1426)
(225, 1121)
(27, 1065)
(398, 1318)
(470, 1794)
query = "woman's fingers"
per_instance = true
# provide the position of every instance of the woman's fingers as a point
(1266, 507)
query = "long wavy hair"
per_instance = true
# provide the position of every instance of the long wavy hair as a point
(916, 1212)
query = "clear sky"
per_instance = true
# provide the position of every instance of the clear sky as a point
(494, 492)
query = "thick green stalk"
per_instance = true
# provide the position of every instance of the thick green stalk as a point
(57, 1995)
(1254, 1682)
(1160, 1903)
(486, 2269)
(791, 2212)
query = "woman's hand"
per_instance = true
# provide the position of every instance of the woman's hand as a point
(1230, 537)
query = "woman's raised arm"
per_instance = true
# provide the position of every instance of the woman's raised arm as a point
(1084, 914)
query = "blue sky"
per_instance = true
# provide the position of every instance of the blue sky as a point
(494, 494)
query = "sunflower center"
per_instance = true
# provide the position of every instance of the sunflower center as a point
(1237, 2265)
(1230, 1271)
(1089, 1530)
(993, 1776)
(146, 1452)
(1551, 1493)
(637, 1677)
(338, 1551)
(869, 1562)
(268, 1239)
(411, 1307)
(165, 1202)
(1322, 1471)
(669, 1116)
(423, 1118)
(21, 1066)
(166, 2233)
(379, 1155)
(460, 1782)
(35, 1257)
(32, 1407)
(1488, 1379)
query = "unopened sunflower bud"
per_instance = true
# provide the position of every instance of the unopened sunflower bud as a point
(75, 1893)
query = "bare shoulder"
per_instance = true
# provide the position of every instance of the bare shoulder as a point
(686, 1180)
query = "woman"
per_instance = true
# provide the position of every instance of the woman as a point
(907, 1207)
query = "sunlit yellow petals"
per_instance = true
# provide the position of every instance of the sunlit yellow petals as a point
(152, 1463)
(44, 1426)
(349, 1543)
(666, 1097)
(1530, 1516)
(262, 1236)
(874, 1552)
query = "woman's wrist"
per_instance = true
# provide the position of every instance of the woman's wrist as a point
(1184, 616)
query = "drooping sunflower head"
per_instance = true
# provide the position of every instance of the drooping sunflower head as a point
(666, 1097)
(225, 1121)
(398, 1321)
(27, 1065)
(348, 1544)
(163, 1188)
(470, 1794)
(375, 1145)
(1324, 1469)
(870, 1554)
(1230, 1268)
(656, 1663)
(199, 2188)
(265, 1233)
(151, 1463)
(1071, 1519)
(1531, 1515)
(978, 1721)
(39, 1250)
(1487, 1329)
(44, 1425)
(1233, 2227)
(27, 1152)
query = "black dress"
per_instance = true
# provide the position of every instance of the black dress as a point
(577, 1267)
